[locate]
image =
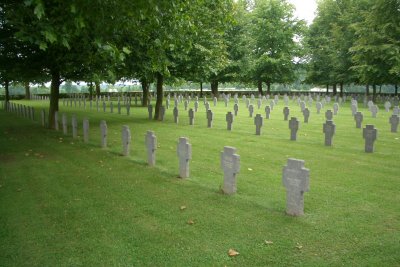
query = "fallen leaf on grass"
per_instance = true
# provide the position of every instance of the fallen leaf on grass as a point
(190, 222)
(27, 154)
(250, 169)
(298, 246)
(232, 253)
(182, 207)
(268, 242)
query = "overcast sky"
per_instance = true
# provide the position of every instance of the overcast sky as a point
(305, 9)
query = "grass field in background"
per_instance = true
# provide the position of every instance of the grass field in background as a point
(67, 203)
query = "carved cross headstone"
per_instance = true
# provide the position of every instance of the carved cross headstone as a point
(85, 130)
(272, 104)
(358, 117)
(162, 113)
(207, 106)
(229, 120)
(230, 163)
(328, 115)
(374, 110)
(267, 112)
(185, 104)
(191, 117)
(184, 151)
(259, 103)
(294, 127)
(302, 105)
(150, 111)
(370, 134)
(210, 117)
(335, 108)
(151, 146)
(296, 180)
(176, 114)
(286, 112)
(226, 100)
(236, 108)
(126, 140)
(396, 110)
(258, 121)
(215, 100)
(306, 114)
(353, 109)
(103, 130)
(251, 110)
(196, 106)
(74, 124)
(329, 129)
(394, 122)
(387, 106)
(318, 105)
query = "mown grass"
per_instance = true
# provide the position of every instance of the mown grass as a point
(66, 203)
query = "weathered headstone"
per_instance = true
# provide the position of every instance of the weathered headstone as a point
(294, 127)
(272, 104)
(374, 110)
(126, 140)
(236, 108)
(85, 130)
(215, 100)
(396, 110)
(210, 117)
(318, 105)
(119, 107)
(191, 117)
(302, 105)
(329, 129)
(104, 106)
(258, 122)
(229, 120)
(103, 131)
(328, 115)
(151, 146)
(56, 126)
(394, 122)
(358, 117)
(296, 180)
(267, 112)
(335, 108)
(251, 110)
(370, 134)
(230, 163)
(286, 112)
(207, 106)
(150, 111)
(128, 108)
(74, 124)
(353, 109)
(184, 151)
(306, 115)
(388, 105)
(259, 103)
(176, 114)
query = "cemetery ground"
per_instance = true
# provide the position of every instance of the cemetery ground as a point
(64, 202)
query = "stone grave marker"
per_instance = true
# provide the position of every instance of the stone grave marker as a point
(215, 100)
(210, 117)
(259, 103)
(294, 127)
(272, 104)
(196, 106)
(226, 100)
(329, 129)
(126, 140)
(167, 103)
(150, 111)
(394, 122)
(207, 106)
(302, 105)
(74, 124)
(111, 107)
(184, 151)
(185, 104)
(318, 105)
(251, 110)
(229, 120)
(236, 108)
(306, 115)
(85, 130)
(358, 117)
(353, 109)
(176, 114)
(191, 117)
(396, 110)
(64, 123)
(387, 106)
(296, 180)
(258, 122)
(370, 134)
(103, 130)
(374, 110)
(286, 112)
(328, 115)
(267, 112)
(56, 127)
(104, 106)
(162, 113)
(335, 108)
(119, 107)
(230, 163)
(128, 108)
(247, 103)
(151, 147)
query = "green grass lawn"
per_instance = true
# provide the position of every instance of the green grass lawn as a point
(67, 203)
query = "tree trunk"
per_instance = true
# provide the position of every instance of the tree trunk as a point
(90, 90)
(214, 88)
(7, 96)
(145, 89)
(27, 91)
(334, 89)
(327, 88)
(268, 87)
(54, 95)
(367, 89)
(395, 89)
(341, 89)
(259, 86)
(201, 89)
(160, 94)
(97, 88)
(373, 92)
